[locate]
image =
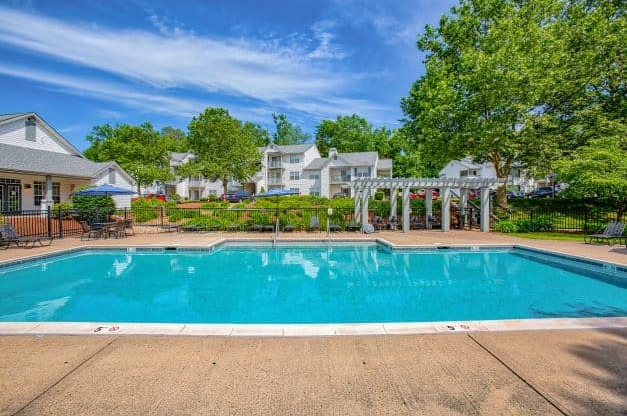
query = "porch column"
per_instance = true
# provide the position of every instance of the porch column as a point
(393, 198)
(356, 211)
(446, 209)
(463, 200)
(365, 194)
(485, 210)
(406, 209)
(48, 201)
(428, 207)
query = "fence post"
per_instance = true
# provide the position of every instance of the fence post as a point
(162, 209)
(49, 221)
(60, 219)
(585, 220)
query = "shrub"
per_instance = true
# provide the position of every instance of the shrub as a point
(378, 196)
(61, 210)
(93, 208)
(506, 227)
(535, 225)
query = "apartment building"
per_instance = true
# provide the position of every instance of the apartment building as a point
(296, 167)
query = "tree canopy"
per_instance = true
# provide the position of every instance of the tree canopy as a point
(140, 150)
(598, 170)
(519, 81)
(287, 133)
(223, 147)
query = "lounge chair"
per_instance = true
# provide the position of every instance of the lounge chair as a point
(613, 232)
(335, 228)
(89, 231)
(367, 228)
(117, 230)
(289, 228)
(353, 226)
(433, 222)
(314, 224)
(255, 227)
(9, 235)
(415, 223)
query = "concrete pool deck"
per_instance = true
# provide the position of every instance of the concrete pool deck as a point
(573, 372)
(515, 373)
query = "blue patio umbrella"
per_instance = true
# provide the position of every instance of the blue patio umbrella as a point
(276, 193)
(104, 190)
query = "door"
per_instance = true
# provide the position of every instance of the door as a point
(10, 196)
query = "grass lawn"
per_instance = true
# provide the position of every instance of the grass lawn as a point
(549, 236)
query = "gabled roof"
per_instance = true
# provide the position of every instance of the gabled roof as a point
(9, 118)
(356, 159)
(384, 164)
(317, 164)
(289, 149)
(179, 157)
(27, 160)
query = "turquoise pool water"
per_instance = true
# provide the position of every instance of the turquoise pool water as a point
(362, 283)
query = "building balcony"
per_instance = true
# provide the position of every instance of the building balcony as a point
(340, 179)
(196, 183)
(275, 181)
(275, 165)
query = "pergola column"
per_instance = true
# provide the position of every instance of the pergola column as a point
(48, 200)
(446, 208)
(428, 207)
(356, 210)
(406, 209)
(365, 194)
(463, 201)
(393, 198)
(485, 210)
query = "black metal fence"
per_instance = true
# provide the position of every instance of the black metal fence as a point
(59, 223)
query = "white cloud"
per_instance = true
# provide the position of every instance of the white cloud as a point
(175, 58)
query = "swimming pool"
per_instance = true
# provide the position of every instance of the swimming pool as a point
(308, 284)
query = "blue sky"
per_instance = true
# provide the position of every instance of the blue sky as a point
(83, 63)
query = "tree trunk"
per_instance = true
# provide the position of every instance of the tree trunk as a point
(225, 182)
(139, 189)
(502, 168)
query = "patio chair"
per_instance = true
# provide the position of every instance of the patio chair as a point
(9, 235)
(353, 226)
(314, 224)
(393, 225)
(256, 227)
(367, 228)
(415, 223)
(613, 232)
(89, 231)
(433, 222)
(117, 230)
(335, 228)
(379, 224)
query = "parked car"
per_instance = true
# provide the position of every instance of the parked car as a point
(237, 196)
(515, 194)
(542, 192)
(340, 195)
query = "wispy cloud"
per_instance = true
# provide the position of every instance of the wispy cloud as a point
(256, 69)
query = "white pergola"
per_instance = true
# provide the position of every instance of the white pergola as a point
(364, 188)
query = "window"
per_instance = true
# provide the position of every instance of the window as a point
(294, 176)
(314, 176)
(314, 191)
(40, 192)
(31, 129)
(112, 176)
(294, 159)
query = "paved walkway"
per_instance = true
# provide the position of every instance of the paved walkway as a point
(521, 373)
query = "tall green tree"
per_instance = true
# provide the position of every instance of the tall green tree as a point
(140, 150)
(346, 134)
(223, 147)
(598, 170)
(488, 73)
(177, 139)
(260, 135)
(287, 133)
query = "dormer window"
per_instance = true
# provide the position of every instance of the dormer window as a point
(30, 129)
